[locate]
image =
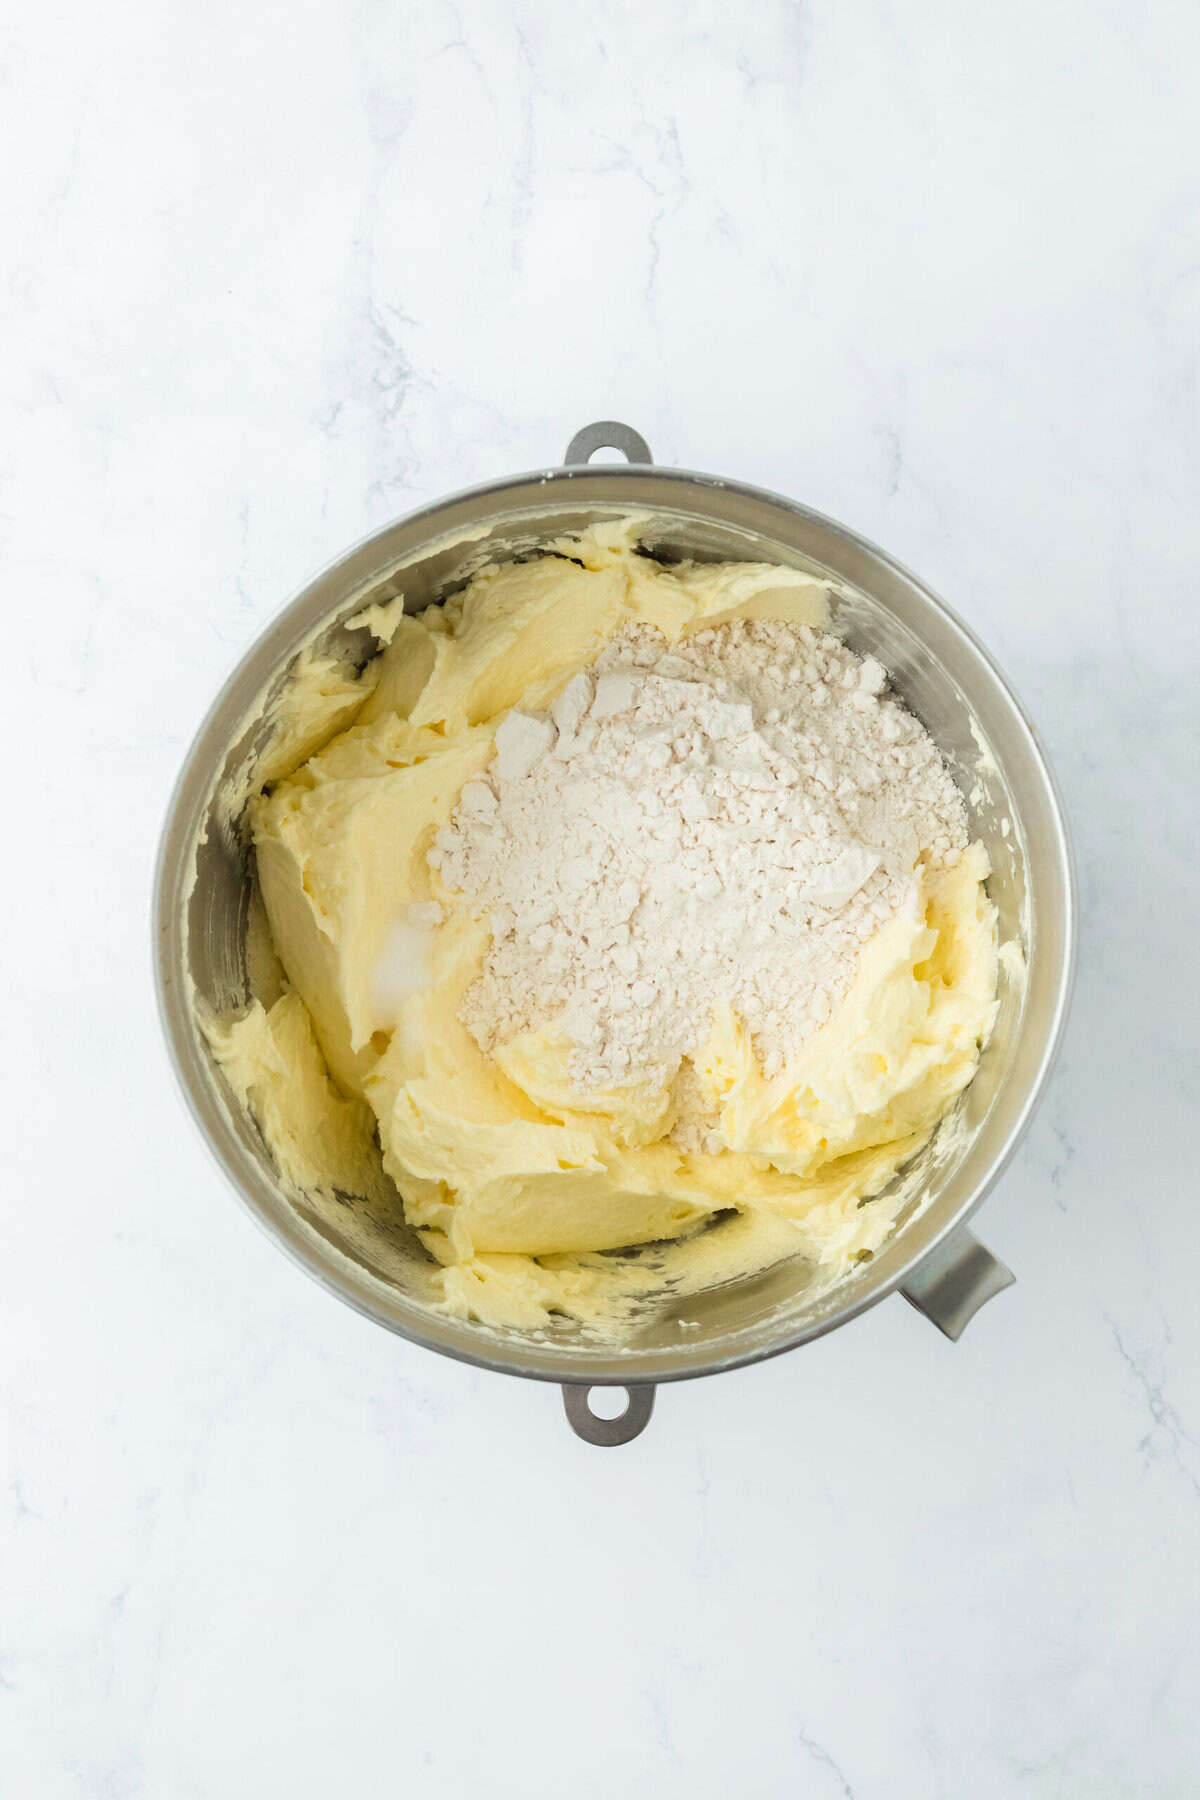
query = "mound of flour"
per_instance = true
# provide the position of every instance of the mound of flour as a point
(726, 820)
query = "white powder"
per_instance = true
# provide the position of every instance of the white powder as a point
(728, 820)
(403, 967)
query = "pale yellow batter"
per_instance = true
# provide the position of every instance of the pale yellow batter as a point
(512, 1185)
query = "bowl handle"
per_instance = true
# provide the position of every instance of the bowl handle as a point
(952, 1284)
(608, 434)
(595, 1430)
(949, 1288)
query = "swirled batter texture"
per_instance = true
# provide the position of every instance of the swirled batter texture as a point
(524, 1151)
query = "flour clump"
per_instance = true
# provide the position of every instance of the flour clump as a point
(723, 821)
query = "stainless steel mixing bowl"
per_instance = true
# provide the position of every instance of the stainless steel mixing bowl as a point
(366, 1254)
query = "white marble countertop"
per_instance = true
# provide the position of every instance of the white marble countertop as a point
(272, 274)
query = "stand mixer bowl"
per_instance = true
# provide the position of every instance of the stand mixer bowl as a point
(366, 1254)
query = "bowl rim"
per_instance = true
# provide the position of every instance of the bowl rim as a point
(177, 843)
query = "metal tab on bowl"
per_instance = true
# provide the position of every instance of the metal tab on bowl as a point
(607, 434)
(595, 1430)
(950, 1286)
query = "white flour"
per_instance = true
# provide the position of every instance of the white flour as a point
(728, 820)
